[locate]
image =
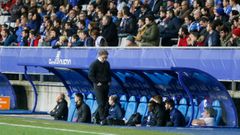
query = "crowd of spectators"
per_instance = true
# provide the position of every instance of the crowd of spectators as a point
(98, 23)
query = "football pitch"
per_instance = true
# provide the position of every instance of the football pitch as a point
(30, 126)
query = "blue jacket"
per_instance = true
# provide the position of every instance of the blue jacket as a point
(177, 118)
(115, 112)
(10, 39)
(213, 39)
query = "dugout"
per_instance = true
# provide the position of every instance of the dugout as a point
(133, 75)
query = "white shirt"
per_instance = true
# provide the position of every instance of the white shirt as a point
(209, 121)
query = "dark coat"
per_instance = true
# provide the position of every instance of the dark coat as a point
(60, 111)
(83, 113)
(151, 35)
(10, 39)
(115, 112)
(109, 32)
(177, 118)
(213, 39)
(172, 28)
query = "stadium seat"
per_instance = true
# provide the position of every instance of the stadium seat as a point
(131, 107)
(90, 101)
(123, 102)
(95, 106)
(182, 107)
(142, 107)
(217, 107)
(72, 108)
(189, 112)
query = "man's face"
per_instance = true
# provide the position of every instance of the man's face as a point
(205, 114)
(110, 101)
(167, 106)
(103, 58)
(76, 99)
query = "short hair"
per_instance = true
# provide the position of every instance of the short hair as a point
(204, 19)
(170, 102)
(158, 98)
(103, 52)
(150, 17)
(211, 111)
(79, 95)
(33, 32)
(225, 29)
(62, 95)
(152, 104)
(185, 30)
(114, 98)
(75, 36)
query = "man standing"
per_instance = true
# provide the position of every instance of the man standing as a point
(100, 75)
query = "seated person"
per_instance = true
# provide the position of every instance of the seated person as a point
(176, 117)
(83, 113)
(161, 114)
(115, 112)
(60, 111)
(207, 118)
(152, 117)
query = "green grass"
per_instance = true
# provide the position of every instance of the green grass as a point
(15, 130)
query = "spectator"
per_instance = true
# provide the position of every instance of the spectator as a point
(33, 39)
(61, 42)
(193, 39)
(151, 119)
(98, 39)
(203, 30)
(60, 111)
(53, 37)
(227, 7)
(183, 36)
(185, 10)
(128, 23)
(136, 8)
(75, 41)
(141, 29)
(220, 14)
(21, 27)
(235, 5)
(130, 41)
(7, 38)
(85, 38)
(171, 29)
(24, 39)
(235, 39)
(155, 6)
(144, 11)
(109, 31)
(207, 119)
(151, 36)
(83, 112)
(213, 38)
(16, 11)
(176, 117)
(225, 35)
(115, 112)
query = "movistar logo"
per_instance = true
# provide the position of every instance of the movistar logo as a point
(58, 60)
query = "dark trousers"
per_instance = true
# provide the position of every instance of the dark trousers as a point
(101, 93)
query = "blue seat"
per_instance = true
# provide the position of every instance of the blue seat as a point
(131, 107)
(189, 112)
(182, 107)
(90, 101)
(123, 102)
(204, 103)
(143, 106)
(72, 108)
(95, 106)
(217, 107)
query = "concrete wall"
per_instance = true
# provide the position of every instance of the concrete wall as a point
(47, 93)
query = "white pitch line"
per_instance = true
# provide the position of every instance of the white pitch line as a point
(57, 129)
